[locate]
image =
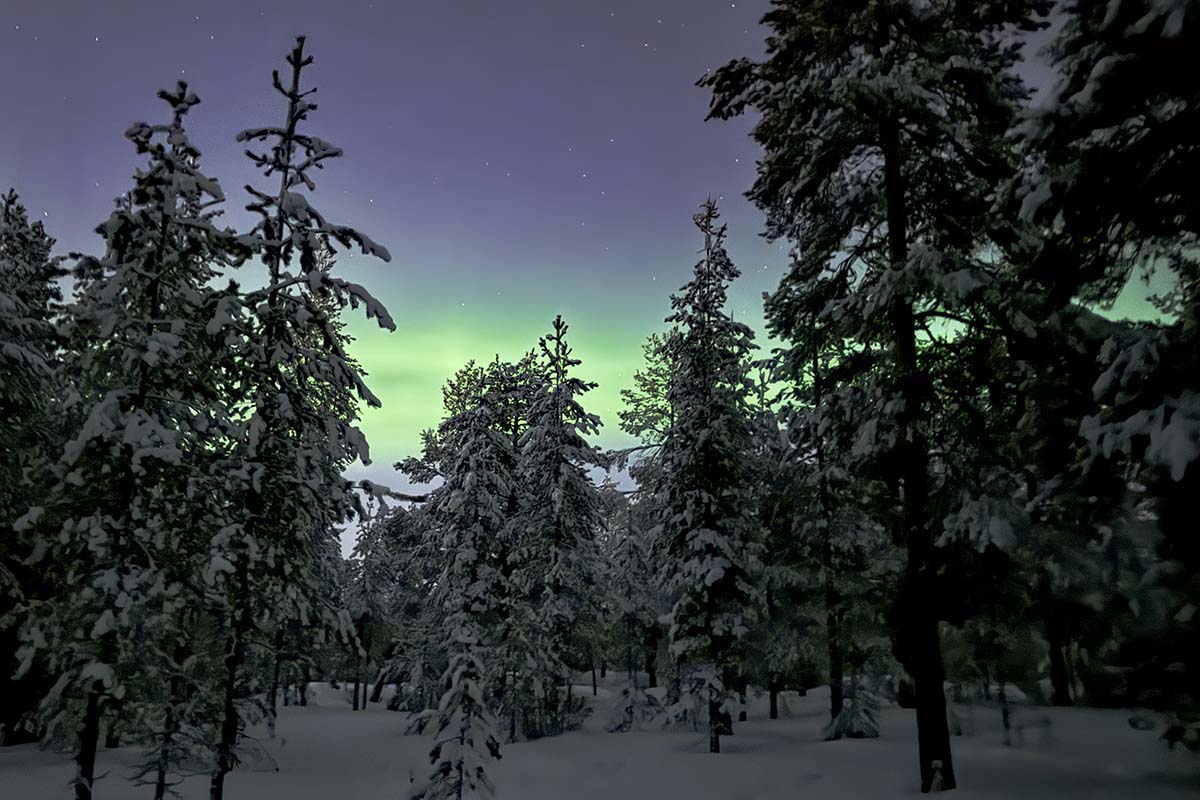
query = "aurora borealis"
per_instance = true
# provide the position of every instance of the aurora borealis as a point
(520, 160)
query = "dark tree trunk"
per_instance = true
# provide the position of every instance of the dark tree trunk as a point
(773, 694)
(1059, 680)
(714, 725)
(651, 645)
(380, 680)
(273, 697)
(356, 688)
(913, 532)
(837, 661)
(304, 680)
(89, 739)
(933, 730)
(164, 760)
(175, 691)
(112, 736)
(235, 656)
(603, 670)
(594, 689)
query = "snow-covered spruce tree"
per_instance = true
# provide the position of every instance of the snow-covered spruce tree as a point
(782, 639)
(417, 644)
(298, 393)
(822, 429)
(706, 543)
(883, 126)
(30, 381)
(1106, 193)
(118, 521)
(469, 515)
(632, 604)
(370, 593)
(555, 558)
(647, 415)
(29, 296)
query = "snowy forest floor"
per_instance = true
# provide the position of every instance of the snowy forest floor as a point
(326, 750)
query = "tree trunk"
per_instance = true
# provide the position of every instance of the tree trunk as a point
(274, 695)
(1059, 680)
(89, 739)
(356, 687)
(305, 675)
(235, 656)
(912, 458)
(933, 730)
(603, 670)
(160, 778)
(380, 679)
(176, 692)
(651, 645)
(594, 690)
(112, 738)
(714, 722)
(837, 664)
(773, 694)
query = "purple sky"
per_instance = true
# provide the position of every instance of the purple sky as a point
(520, 159)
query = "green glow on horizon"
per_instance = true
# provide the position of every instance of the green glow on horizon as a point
(437, 332)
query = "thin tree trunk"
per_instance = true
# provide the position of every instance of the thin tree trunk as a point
(714, 722)
(112, 739)
(833, 613)
(837, 662)
(651, 645)
(356, 687)
(235, 656)
(160, 779)
(304, 680)
(1059, 680)
(603, 669)
(773, 694)
(594, 690)
(89, 739)
(380, 679)
(274, 695)
(175, 691)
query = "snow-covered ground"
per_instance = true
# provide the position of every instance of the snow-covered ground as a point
(328, 752)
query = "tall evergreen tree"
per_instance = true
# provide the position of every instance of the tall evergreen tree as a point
(118, 515)
(705, 504)
(31, 425)
(556, 559)
(298, 393)
(883, 127)
(28, 300)
(1106, 194)
(468, 518)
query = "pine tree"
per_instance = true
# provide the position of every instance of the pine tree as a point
(31, 426)
(707, 525)
(117, 520)
(555, 557)
(883, 126)
(297, 390)
(634, 604)
(28, 299)
(469, 516)
(1106, 194)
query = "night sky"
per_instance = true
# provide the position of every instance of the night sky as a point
(520, 159)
